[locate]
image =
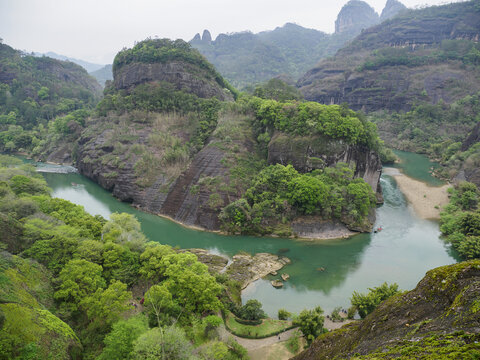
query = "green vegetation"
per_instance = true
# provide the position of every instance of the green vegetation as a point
(311, 323)
(246, 59)
(279, 193)
(366, 303)
(43, 102)
(163, 51)
(460, 220)
(277, 89)
(268, 327)
(75, 293)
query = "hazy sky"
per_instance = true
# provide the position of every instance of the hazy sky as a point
(95, 30)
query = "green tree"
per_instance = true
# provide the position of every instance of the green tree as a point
(119, 342)
(284, 314)
(152, 265)
(79, 279)
(252, 310)
(311, 323)
(366, 303)
(163, 344)
(158, 300)
(104, 307)
(124, 229)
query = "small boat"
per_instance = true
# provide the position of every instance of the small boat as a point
(321, 269)
(378, 229)
(276, 284)
(74, 184)
(285, 277)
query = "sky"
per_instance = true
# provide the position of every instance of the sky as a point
(95, 30)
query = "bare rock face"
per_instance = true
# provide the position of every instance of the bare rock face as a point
(442, 310)
(391, 9)
(316, 152)
(182, 75)
(206, 36)
(355, 16)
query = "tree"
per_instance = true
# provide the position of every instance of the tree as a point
(215, 350)
(158, 300)
(366, 303)
(152, 267)
(120, 263)
(78, 280)
(283, 314)
(124, 229)
(190, 282)
(252, 310)
(163, 344)
(119, 342)
(104, 307)
(311, 323)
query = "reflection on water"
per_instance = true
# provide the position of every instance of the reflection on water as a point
(402, 252)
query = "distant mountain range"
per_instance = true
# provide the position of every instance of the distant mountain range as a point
(85, 64)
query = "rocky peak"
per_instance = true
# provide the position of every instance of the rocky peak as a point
(355, 16)
(391, 9)
(196, 38)
(206, 37)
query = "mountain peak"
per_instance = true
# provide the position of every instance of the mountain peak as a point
(391, 9)
(355, 16)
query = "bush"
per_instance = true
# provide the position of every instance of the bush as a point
(366, 303)
(283, 314)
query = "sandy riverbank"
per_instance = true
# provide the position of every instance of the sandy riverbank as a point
(427, 201)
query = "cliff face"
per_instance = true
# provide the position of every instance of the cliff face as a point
(440, 316)
(316, 152)
(184, 76)
(391, 65)
(391, 9)
(355, 16)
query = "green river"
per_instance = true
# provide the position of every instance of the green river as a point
(401, 253)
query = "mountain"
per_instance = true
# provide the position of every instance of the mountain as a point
(43, 103)
(85, 64)
(391, 9)
(169, 138)
(246, 58)
(428, 54)
(103, 74)
(355, 16)
(439, 319)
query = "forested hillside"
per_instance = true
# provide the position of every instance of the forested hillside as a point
(43, 103)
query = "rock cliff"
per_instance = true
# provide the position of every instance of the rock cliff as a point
(307, 153)
(355, 16)
(184, 76)
(392, 65)
(391, 9)
(440, 316)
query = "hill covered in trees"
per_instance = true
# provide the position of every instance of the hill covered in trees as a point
(169, 138)
(43, 103)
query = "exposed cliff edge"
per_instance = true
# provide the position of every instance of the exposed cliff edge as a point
(470, 172)
(400, 61)
(391, 9)
(440, 316)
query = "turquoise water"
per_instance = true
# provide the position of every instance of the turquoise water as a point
(401, 253)
(417, 166)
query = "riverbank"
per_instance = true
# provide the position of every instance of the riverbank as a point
(427, 201)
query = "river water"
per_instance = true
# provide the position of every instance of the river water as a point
(401, 253)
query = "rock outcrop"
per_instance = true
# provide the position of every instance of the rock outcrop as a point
(469, 171)
(355, 16)
(440, 316)
(182, 75)
(389, 66)
(391, 9)
(307, 153)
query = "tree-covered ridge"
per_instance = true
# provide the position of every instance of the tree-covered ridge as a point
(279, 194)
(307, 118)
(42, 101)
(460, 220)
(164, 51)
(87, 272)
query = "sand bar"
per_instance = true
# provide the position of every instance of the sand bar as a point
(427, 201)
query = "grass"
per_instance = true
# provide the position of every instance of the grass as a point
(268, 327)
